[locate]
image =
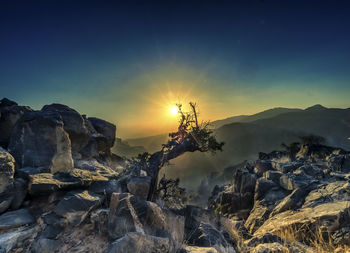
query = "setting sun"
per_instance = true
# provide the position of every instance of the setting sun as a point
(174, 110)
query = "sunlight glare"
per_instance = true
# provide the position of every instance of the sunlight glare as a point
(174, 110)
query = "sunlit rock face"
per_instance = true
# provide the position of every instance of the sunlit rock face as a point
(306, 199)
(7, 170)
(73, 123)
(52, 137)
(60, 180)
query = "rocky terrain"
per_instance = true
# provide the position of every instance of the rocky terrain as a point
(246, 136)
(63, 190)
(281, 204)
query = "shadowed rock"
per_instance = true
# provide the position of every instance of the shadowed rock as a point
(16, 218)
(76, 205)
(130, 214)
(105, 128)
(14, 239)
(139, 186)
(44, 245)
(7, 170)
(136, 242)
(10, 113)
(39, 140)
(332, 215)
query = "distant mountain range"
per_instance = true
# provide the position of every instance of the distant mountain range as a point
(246, 135)
(249, 118)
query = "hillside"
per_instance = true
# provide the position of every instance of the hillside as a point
(63, 190)
(244, 140)
(154, 143)
(249, 118)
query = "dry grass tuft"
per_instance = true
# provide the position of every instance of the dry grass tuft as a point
(318, 240)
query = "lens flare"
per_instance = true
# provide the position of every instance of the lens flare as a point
(174, 110)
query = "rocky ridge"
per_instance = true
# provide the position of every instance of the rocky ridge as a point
(290, 204)
(63, 190)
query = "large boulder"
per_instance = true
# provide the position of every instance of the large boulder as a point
(267, 195)
(136, 242)
(101, 139)
(291, 182)
(327, 217)
(99, 180)
(108, 130)
(262, 186)
(226, 201)
(243, 181)
(10, 113)
(131, 214)
(73, 123)
(273, 175)
(262, 166)
(263, 207)
(39, 140)
(76, 205)
(16, 218)
(293, 201)
(17, 238)
(94, 166)
(7, 170)
(332, 192)
(139, 186)
(20, 189)
(45, 245)
(5, 102)
(257, 217)
(47, 183)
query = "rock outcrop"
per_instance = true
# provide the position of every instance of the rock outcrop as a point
(73, 123)
(10, 113)
(54, 136)
(304, 200)
(62, 190)
(7, 171)
(39, 140)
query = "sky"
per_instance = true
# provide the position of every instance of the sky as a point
(128, 62)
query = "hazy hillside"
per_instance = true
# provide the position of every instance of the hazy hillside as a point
(123, 148)
(150, 143)
(249, 118)
(245, 140)
(154, 143)
(333, 124)
(245, 136)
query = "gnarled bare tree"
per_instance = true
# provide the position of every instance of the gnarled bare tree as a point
(191, 136)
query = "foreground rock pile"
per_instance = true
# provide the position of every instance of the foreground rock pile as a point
(62, 190)
(290, 204)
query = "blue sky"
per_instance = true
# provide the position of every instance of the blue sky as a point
(128, 62)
